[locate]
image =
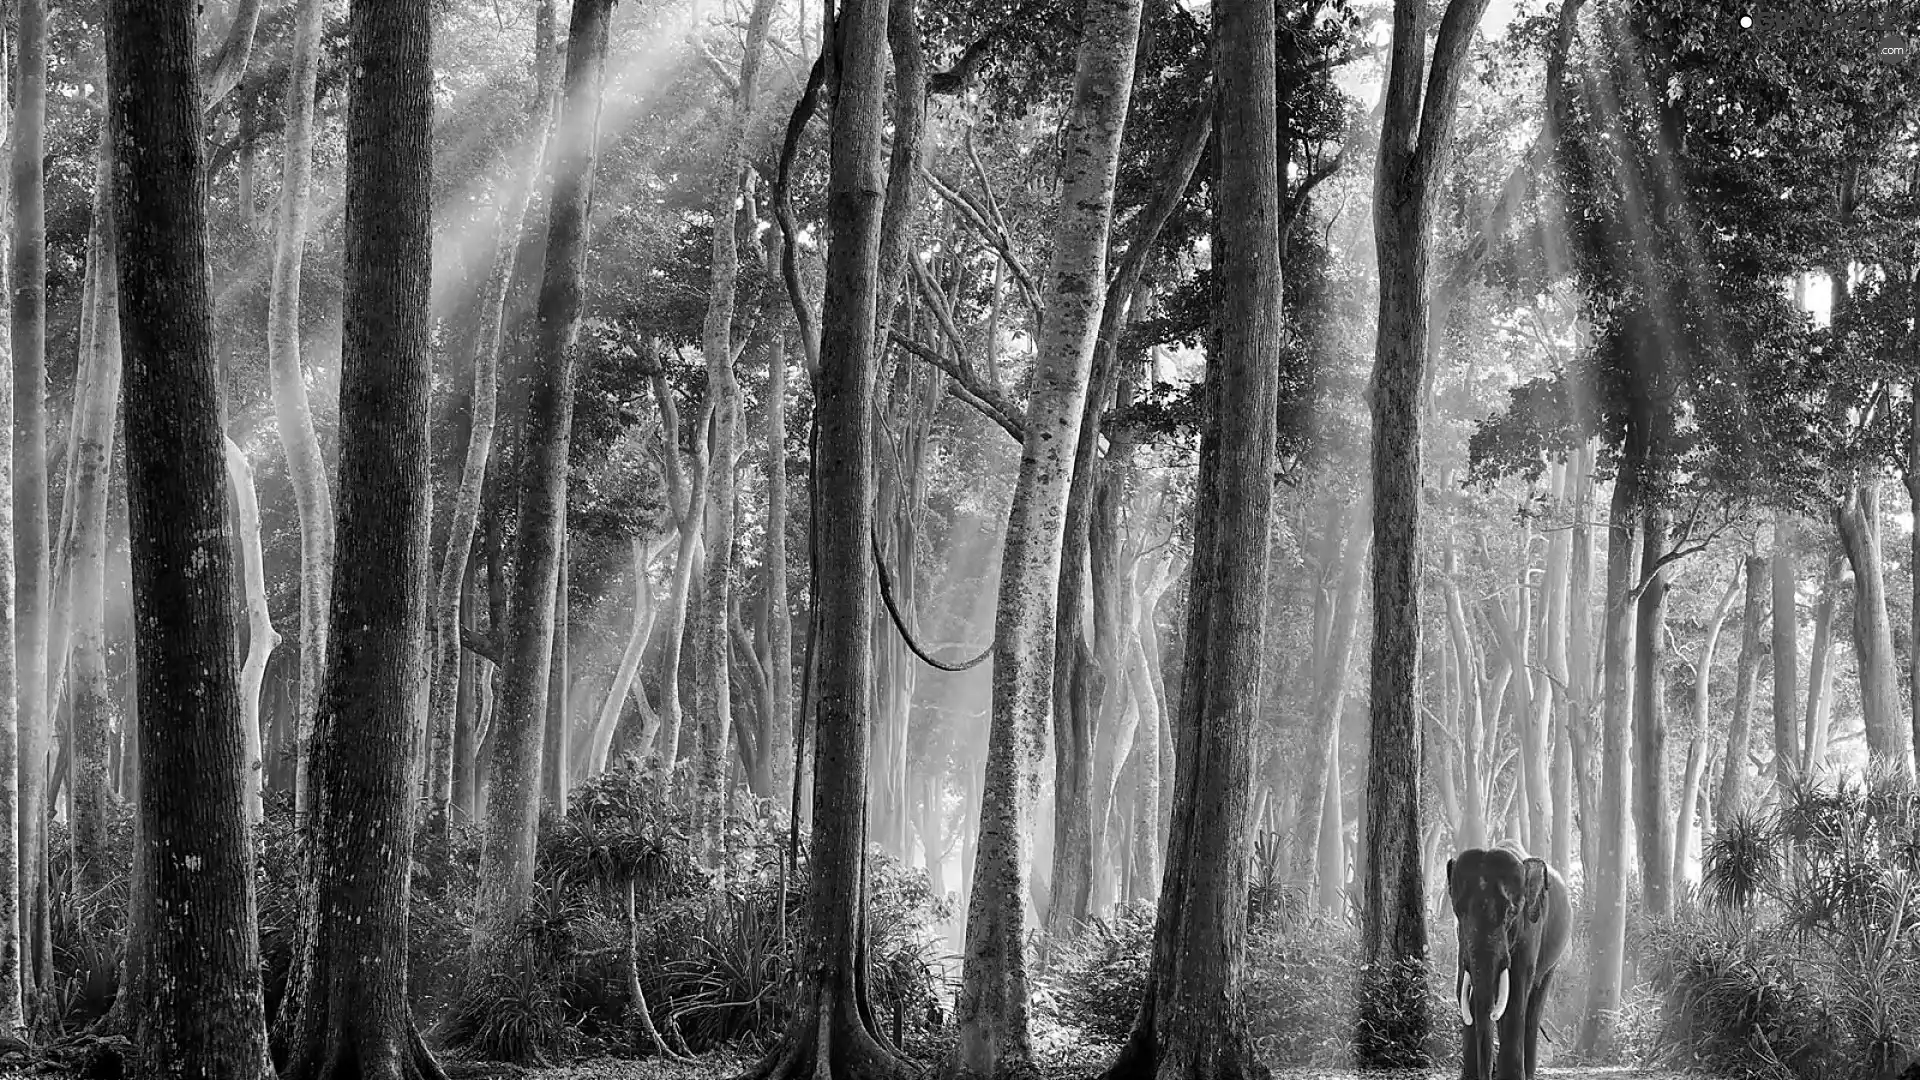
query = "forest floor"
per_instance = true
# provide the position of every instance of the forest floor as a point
(725, 1069)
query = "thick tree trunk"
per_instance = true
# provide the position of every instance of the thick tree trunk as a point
(1699, 745)
(1732, 798)
(32, 552)
(292, 413)
(262, 638)
(346, 1016)
(831, 1036)
(713, 697)
(12, 1002)
(1416, 135)
(1652, 812)
(780, 722)
(1889, 737)
(1820, 672)
(1786, 651)
(1192, 1023)
(198, 1008)
(1608, 871)
(513, 801)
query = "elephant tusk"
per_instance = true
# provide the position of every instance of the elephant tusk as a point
(1466, 986)
(1500, 997)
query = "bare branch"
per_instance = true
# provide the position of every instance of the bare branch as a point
(975, 392)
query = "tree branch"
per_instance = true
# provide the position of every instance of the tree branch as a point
(975, 392)
(481, 645)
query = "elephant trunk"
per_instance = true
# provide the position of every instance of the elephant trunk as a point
(1483, 992)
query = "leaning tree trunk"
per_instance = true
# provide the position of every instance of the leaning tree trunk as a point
(1786, 647)
(1733, 779)
(293, 414)
(31, 551)
(513, 803)
(831, 1036)
(638, 634)
(991, 1011)
(1192, 1023)
(12, 1009)
(262, 638)
(346, 1015)
(1652, 811)
(1609, 827)
(1889, 738)
(199, 1005)
(713, 698)
(1820, 674)
(1698, 746)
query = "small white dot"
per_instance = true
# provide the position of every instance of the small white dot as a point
(1746, 22)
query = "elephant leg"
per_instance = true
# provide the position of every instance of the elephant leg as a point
(1536, 1012)
(1510, 1061)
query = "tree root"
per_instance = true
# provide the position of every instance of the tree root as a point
(830, 1042)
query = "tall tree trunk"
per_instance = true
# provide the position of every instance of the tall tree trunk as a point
(196, 982)
(292, 413)
(712, 688)
(12, 1001)
(1558, 607)
(1820, 671)
(640, 632)
(1889, 739)
(1786, 651)
(262, 638)
(88, 475)
(1416, 137)
(1332, 863)
(1699, 745)
(559, 724)
(1608, 871)
(1652, 813)
(779, 603)
(1582, 705)
(1733, 778)
(831, 1036)
(1149, 797)
(513, 801)
(32, 552)
(991, 1011)
(687, 495)
(1192, 1023)
(347, 1016)
(1330, 692)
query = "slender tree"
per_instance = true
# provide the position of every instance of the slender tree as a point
(198, 1008)
(12, 1013)
(1786, 648)
(1652, 807)
(347, 1017)
(513, 800)
(1192, 1023)
(1415, 138)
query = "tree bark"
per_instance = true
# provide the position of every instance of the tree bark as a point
(779, 604)
(1559, 607)
(991, 1011)
(1416, 134)
(559, 725)
(262, 638)
(513, 800)
(1700, 744)
(1149, 797)
(347, 1016)
(31, 551)
(1820, 672)
(831, 1036)
(1733, 779)
(12, 1002)
(198, 1007)
(687, 495)
(1192, 1023)
(1889, 739)
(1609, 870)
(1582, 704)
(1786, 652)
(1652, 809)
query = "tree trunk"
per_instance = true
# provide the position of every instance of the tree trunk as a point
(687, 496)
(513, 801)
(1699, 746)
(89, 472)
(1192, 1023)
(1582, 704)
(292, 414)
(1652, 811)
(1332, 862)
(713, 698)
(1416, 133)
(559, 725)
(1608, 871)
(196, 983)
(1149, 796)
(31, 551)
(262, 639)
(1330, 693)
(1733, 779)
(831, 1036)
(1558, 614)
(12, 1002)
(641, 631)
(1889, 740)
(1786, 651)
(347, 1017)
(1820, 671)
(779, 604)
(991, 1011)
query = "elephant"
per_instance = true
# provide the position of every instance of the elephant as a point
(1515, 917)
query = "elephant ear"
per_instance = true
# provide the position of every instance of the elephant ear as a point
(1534, 888)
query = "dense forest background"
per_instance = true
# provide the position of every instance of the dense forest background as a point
(737, 513)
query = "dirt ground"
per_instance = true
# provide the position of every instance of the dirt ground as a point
(712, 1069)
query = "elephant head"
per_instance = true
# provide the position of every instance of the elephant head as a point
(1499, 903)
